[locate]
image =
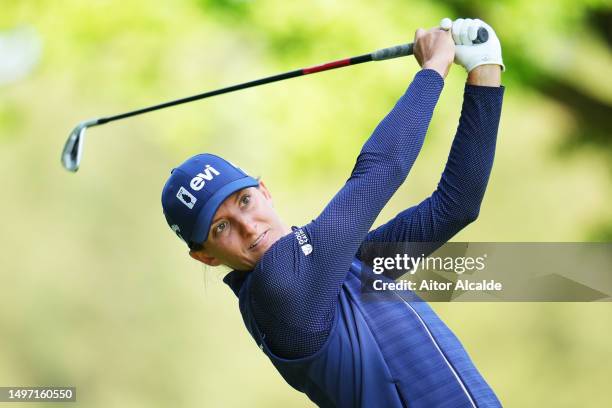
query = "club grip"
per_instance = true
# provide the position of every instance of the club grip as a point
(392, 52)
(407, 49)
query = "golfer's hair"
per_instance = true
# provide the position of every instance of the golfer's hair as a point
(213, 274)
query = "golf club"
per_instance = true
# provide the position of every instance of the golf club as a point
(73, 149)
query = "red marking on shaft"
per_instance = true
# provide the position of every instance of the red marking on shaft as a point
(325, 67)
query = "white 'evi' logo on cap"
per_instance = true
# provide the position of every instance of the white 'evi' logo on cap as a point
(186, 197)
(209, 172)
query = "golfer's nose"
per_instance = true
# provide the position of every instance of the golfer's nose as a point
(249, 227)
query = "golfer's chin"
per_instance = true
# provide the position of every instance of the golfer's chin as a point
(267, 240)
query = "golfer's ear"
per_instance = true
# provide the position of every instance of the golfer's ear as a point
(205, 259)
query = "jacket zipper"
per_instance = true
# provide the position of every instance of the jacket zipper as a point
(433, 340)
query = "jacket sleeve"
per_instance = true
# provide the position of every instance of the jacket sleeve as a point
(456, 201)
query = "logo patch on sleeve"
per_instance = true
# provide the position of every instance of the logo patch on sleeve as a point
(302, 240)
(306, 249)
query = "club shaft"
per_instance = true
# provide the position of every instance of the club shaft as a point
(386, 53)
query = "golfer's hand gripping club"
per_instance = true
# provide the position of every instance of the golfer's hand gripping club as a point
(469, 53)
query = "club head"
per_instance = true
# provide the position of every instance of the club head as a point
(73, 149)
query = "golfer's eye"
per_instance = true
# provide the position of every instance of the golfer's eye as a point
(245, 200)
(220, 227)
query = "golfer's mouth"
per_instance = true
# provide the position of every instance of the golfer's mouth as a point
(259, 239)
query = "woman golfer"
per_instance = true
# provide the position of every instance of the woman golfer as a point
(299, 288)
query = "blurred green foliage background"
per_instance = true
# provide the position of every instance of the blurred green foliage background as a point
(97, 292)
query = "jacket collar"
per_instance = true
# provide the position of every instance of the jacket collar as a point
(235, 279)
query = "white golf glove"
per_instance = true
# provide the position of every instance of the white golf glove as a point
(468, 55)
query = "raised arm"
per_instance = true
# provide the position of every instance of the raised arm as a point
(456, 201)
(386, 157)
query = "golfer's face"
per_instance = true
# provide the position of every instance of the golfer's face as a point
(243, 228)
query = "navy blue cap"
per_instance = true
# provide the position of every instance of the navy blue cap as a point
(195, 190)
